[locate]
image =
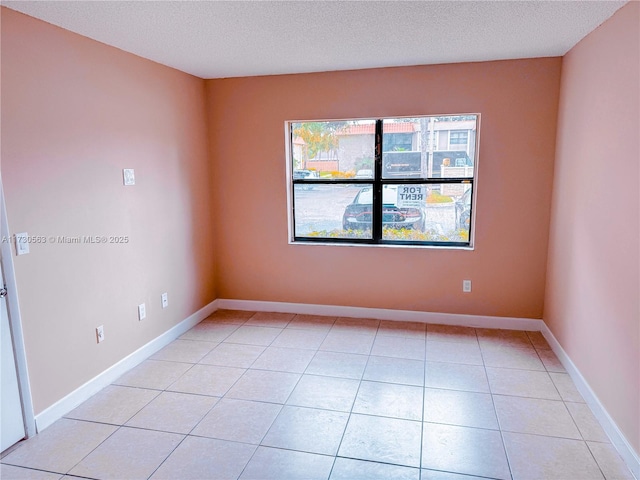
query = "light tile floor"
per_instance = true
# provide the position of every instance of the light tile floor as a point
(247, 395)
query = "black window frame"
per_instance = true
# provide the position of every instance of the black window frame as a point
(377, 184)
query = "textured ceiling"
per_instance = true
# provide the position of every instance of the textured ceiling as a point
(214, 39)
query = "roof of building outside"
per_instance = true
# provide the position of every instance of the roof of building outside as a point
(370, 128)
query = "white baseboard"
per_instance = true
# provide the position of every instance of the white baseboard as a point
(618, 439)
(75, 398)
(616, 436)
(385, 314)
(93, 386)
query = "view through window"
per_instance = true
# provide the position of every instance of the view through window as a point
(384, 181)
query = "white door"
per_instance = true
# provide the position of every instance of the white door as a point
(12, 420)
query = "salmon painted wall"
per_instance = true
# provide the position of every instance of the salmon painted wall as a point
(592, 301)
(74, 114)
(518, 102)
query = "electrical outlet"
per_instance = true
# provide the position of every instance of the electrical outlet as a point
(165, 300)
(142, 311)
(128, 176)
(466, 286)
(100, 333)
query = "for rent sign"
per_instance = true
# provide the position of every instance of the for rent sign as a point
(411, 195)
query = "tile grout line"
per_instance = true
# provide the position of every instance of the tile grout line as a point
(355, 397)
(495, 412)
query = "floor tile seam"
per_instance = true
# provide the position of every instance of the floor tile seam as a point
(352, 331)
(558, 400)
(169, 455)
(578, 439)
(333, 464)
(320, 349)
(124, 424)
(379, 462)
(584, 442)
(463, 426)
(191, 435)
(539, 435)
(492, 365)
(244, 443)
(453, 362)
(544, 349)
(402, 337)
(330, 376)
(600, 467)
(398, 356)
(486, 429)
(31, 468)
(388, 416)
(175, 361)
(97, 446)
(424, 382)
(222, 321)
(299, 451)
(202, 394)
(248, 344)
(315, 349)
(600, 442)
(264, 325)
(502, 440)
(324, 409)
(256, 369)
(470, 344)
(392, 383)
(495, 412)
(523, 370)
(355, 397)
(575, 422)
(300, 375)
(470, 341)
(558, 389)
(461, 475)
(310, 329)
(168, 386)
(205, 415)
(191, 393)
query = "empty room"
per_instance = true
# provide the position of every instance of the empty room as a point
(320, 240)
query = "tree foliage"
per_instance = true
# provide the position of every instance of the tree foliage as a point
(318, 136)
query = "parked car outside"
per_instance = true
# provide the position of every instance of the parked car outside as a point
(305, 175)
(357, 214)
(364, 173)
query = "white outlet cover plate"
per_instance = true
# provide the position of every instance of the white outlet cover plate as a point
(165, 300)
(142, 311)
(129, 176)
(466, 286)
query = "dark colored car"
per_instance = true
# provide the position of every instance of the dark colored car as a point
(463, 211)
(357, 215)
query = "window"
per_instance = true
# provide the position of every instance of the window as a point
(458, 137)
(381, 181)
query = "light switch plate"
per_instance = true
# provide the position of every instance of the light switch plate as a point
(142, 311)
(100, 333)
(165, 300)
(22, 243)
(129, 176)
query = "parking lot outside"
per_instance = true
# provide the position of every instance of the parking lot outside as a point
(320, 208)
